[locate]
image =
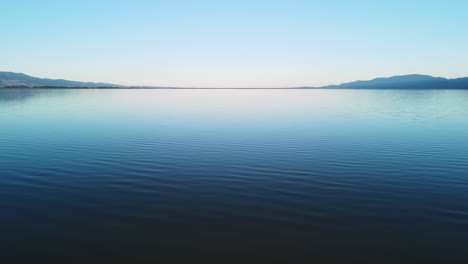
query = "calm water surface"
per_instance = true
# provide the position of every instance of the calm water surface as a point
(325, 176)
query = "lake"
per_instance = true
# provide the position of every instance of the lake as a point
(331, 176)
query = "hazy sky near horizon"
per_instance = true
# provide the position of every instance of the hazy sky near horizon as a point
(242, 43)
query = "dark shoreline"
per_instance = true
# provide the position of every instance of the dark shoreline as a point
(199, 88)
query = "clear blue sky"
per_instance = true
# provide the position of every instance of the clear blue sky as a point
(233, 43)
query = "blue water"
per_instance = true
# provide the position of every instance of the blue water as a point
(310, 176)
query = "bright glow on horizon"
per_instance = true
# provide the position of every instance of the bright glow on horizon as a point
(233, 43)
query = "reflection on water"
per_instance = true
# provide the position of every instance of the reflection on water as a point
(327, 176)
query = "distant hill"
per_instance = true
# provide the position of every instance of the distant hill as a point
(11, 79)
(414, 81)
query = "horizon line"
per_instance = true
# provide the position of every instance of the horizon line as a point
(120, 86)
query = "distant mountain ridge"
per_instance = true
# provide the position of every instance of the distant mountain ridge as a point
(412, 81)
(11, 79)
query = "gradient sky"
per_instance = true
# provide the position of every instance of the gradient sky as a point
(233, 43)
